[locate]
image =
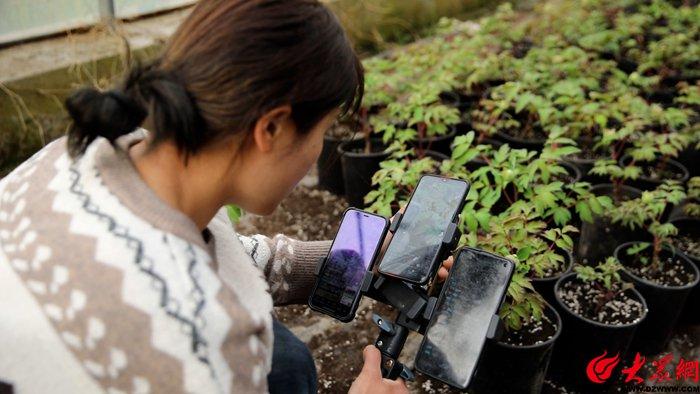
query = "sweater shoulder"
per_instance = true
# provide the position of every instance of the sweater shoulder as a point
(133, 304)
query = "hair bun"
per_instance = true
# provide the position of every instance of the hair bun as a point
(109, 114)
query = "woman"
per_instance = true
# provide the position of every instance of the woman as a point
(120, 270)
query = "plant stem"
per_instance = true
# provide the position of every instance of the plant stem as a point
(365, 130)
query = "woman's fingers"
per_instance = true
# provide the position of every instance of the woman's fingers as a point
(372, 366)
(442, 274)
(444, 271)
(448, 262)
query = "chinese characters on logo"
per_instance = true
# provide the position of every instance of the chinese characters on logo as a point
(600, 369)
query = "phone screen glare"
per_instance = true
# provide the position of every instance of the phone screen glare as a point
(454, 339)
(417, 241)
(353, 248)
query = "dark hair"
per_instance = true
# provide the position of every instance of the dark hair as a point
(227, 64)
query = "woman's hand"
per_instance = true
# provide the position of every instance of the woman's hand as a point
(446, 265)
(370, 379)
(445, 269)
(389, 234)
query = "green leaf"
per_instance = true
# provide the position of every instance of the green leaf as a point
(472, 223)
(584, 212)
(523, 101)
(561, 216)
(234, 213)
(483, 216)
(524, 253)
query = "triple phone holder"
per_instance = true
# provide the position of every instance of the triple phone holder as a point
(415, 307)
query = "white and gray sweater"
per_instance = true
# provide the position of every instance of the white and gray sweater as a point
(106, 288)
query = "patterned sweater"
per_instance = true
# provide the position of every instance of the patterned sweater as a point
(106, 288)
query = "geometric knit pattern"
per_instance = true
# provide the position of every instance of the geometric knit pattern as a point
(104, 288)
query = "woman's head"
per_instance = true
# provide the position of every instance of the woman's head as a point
(259, 80)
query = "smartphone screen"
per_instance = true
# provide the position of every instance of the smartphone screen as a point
(354, 248)
(412, 252)
(457, 331)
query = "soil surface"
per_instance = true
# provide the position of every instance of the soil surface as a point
(595, 302)
(551, 271)
(567, 177)
(689, 245)
(673, 272)
(375, 147)
(533, 134)
(588, 152)
(660, 173)
(532, 333)
(344, 131)
(308, 214)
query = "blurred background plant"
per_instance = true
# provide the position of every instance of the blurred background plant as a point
(31, 110)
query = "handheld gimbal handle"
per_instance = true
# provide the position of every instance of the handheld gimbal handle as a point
(390, 343)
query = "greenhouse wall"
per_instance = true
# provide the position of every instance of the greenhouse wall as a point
(133, 8)
(27, 19)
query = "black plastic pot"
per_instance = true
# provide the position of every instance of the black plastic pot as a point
(678, 211)
(585, 166)
(646, 183)
(627, 65)
(520, 143)
(691, 311)
(690, 158)
(572, 170)
(490, 141)
(545, 286)
(467, 101)
(463, 101)
(359, 167)
(599, 239)
(329, 167)
(665, 304)
(435, 155)
(438, 143)
(450, 99)
(505, 368)
(663, 96)
(583, 339)
(464, 126)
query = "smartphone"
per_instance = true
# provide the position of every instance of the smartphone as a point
(456, 334)
(354, 248)
(413, 251)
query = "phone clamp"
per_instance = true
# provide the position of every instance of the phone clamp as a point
(415, 307)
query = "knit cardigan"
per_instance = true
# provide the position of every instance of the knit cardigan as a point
(106, 288)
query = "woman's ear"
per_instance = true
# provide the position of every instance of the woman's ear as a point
(270, 125)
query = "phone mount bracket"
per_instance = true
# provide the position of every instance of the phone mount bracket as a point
(495, 330)
(415, 307)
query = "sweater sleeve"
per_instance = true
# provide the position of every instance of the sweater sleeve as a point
(288, 264)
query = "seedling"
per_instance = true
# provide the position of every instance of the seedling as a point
(523, 237)
(604, 277)
(692, 207)
(647, 212)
